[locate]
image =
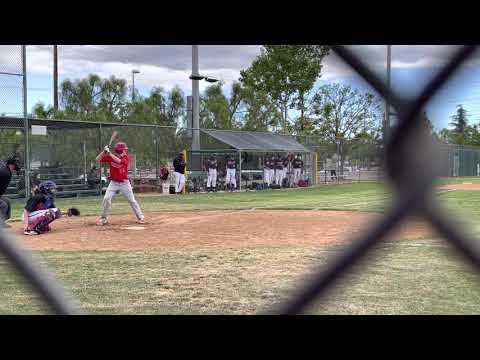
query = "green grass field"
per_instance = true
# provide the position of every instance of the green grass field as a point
(404, 277)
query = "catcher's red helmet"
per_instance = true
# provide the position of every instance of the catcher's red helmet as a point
(120, 146)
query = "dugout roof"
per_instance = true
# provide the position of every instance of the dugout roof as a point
(257, 141)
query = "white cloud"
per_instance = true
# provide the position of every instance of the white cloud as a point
(167, 66)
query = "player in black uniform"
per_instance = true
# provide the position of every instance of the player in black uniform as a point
(297, 169)
(286, 170)
(179, 171)
(212, 174)
(231, 180)
(6, 169)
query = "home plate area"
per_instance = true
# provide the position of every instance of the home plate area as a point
(212, 229)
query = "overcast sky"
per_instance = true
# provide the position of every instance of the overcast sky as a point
(167, 66)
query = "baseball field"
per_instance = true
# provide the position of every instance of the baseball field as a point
(241, 253)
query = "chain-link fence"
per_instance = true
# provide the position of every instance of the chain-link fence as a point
(345, 160)
(459, 160)
(66, 151)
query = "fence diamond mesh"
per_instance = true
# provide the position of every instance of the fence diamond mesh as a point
(412, 193)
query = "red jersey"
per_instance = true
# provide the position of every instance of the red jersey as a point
(118, 172)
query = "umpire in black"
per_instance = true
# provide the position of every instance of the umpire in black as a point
(6, 169)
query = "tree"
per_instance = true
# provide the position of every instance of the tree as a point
(259, 112)
(41, 112)
(94, 99)
(459, 120)
(462, 133)
(340, 113)
(287, 73)
(216, 110)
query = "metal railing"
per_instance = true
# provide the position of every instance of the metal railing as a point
(412, 178)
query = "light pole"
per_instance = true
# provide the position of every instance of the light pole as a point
(196, 77)
(133, 83)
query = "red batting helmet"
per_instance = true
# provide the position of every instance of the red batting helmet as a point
(120, 146)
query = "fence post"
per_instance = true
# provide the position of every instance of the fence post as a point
(100, 149)
(85, 162)
(26, 125)
(157, 165)
(185, 157)
(325, 169)
(240, 170)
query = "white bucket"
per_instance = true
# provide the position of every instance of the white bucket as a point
(166, 188)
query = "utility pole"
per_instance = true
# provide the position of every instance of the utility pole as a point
(55, 78)
(133, 84)
(195, 100)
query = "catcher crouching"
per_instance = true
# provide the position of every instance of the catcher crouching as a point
(40, 210)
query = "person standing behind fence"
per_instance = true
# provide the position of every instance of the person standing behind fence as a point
(266, 170)
(297, 169)
(231, 180)
(286, 170)
(6, 169)
(278, 170)
(179, 171)
(332, 166)
(212, 174)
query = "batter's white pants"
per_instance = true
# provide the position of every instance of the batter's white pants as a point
(266, 176)
(126, 190)
(230, 179)
(212, 178)
(179, 182)
(296, 175)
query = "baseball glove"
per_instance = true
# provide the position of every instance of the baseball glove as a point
(73, 212)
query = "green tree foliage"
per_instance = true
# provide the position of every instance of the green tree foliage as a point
(105, 100)
(259, 112)
(459, 120)
(340, 113)
(215, 110)
(93, 98)
(286, 73)
(462, 133)
(159, 108)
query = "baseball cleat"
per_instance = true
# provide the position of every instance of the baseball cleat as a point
(101, 222)
(141, 221)
(30, 232)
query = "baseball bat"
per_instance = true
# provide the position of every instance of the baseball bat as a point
(114, 135)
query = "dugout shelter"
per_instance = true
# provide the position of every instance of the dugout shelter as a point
(249, 149)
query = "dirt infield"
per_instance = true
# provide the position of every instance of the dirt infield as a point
(211, 229)
(464, 186)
